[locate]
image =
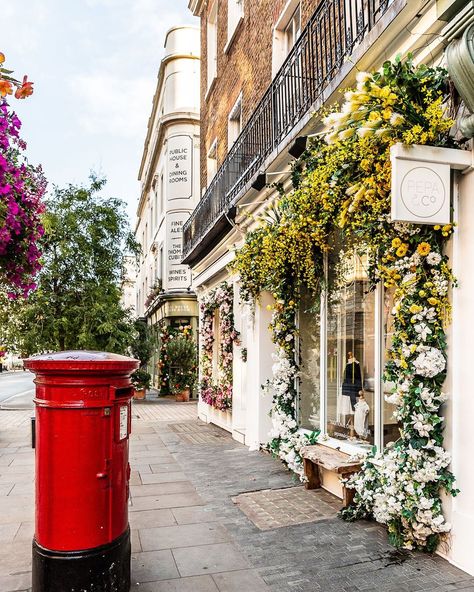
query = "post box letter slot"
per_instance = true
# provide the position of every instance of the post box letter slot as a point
(123, 392)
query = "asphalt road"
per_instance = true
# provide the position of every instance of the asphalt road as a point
(16, 390)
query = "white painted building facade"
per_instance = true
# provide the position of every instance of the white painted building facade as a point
(169, 176)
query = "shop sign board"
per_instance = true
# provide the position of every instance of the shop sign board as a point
(177, 275)
(180, 167)
(421, 191)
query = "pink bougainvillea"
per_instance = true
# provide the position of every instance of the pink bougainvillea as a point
(22, 187)
(217, 390)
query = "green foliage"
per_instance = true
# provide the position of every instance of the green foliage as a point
(182, 356)
(143, 344)
(141, 379)
(77, 303)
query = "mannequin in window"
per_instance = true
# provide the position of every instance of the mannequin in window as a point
(361, 416)
(352, 382)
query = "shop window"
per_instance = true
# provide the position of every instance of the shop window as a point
(391, 431)
(212, 45)
(285, 33)
(350, 374)
(310, 356)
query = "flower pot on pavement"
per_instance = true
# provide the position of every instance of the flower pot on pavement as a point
(139, 394)
(183, 396)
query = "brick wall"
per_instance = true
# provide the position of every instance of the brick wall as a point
(246, 68)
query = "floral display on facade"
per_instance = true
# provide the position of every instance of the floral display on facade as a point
(217, 307)
(167, 333)
(343, 193)
(22, 187)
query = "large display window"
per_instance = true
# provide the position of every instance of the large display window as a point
(342, 354)
(310, 356)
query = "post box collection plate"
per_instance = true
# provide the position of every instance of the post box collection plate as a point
(123, 423)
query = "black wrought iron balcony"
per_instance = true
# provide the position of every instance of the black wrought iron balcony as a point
(328, 39)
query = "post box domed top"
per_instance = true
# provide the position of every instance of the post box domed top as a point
(81, 360)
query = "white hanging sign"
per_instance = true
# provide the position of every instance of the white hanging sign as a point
(421, 182)
(421, 192)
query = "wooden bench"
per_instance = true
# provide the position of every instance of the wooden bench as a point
(318, 456)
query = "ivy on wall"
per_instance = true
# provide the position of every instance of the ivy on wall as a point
(342, 193)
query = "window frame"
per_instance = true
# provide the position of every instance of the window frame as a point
(232, 120)
(211, 41)
(346, 446)
(280, 48)
(235, 16)
(211, 158)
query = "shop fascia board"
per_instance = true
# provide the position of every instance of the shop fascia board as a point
(460, 160)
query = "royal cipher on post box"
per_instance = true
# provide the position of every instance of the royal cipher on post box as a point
(83, 422)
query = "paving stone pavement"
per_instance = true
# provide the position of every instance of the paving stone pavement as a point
(188, 535)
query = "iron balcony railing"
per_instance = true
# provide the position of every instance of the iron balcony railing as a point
(330, 36)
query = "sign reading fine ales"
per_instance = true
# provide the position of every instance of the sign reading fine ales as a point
(421, 190)
(177, 275)
(180, 167)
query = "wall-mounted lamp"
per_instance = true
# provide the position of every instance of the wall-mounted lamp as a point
(259, 182)
(298, 146)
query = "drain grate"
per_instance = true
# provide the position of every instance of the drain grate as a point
(275, 508)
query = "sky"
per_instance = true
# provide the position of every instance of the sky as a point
(94, 65)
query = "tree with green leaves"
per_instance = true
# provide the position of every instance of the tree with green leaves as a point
(77, 303)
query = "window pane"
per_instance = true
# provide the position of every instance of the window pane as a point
(390, 424)
(351, 352)
(309, 340)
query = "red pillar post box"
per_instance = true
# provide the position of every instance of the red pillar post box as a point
(83, 421)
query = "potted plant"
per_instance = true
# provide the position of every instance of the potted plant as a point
(141, 381)
(142, 348)
(182, 355)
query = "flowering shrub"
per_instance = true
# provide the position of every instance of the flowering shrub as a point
(21, 189)
(167, 334)
(344, 189)
(217, 393)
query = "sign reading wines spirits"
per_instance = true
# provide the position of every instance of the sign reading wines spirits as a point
(421, 190)
(180, 167)
(177, 275)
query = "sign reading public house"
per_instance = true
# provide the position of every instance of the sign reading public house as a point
(180, 155)
(421, 191)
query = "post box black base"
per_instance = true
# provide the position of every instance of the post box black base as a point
(103, 569)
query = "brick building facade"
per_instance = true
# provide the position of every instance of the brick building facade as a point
(239, 71)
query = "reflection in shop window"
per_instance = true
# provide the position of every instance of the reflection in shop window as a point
(309, 351)
(350, 351)
(391, 431)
